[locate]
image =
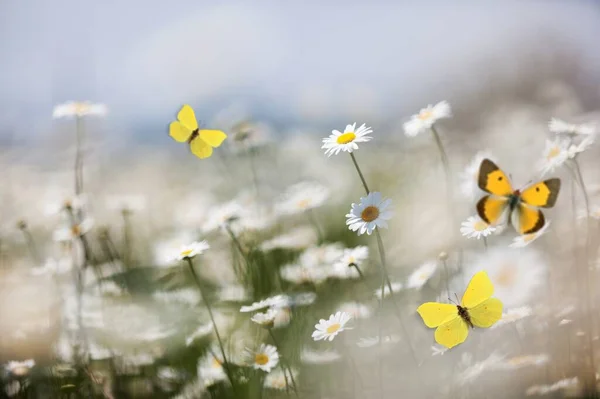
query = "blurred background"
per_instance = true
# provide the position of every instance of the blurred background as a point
(278, 78)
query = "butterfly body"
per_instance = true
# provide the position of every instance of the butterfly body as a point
(520, 207)
(464, 314)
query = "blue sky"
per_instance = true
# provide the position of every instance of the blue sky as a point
(293, 61)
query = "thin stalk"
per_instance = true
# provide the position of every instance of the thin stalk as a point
(250, 154)
(78, 155)
(362, 178)
(360, 273)
(126, 239)
(239, 247)
(284, 363)
(315, 223)
(35, 255)
(485, 243)
(445, 264)
(212, 319)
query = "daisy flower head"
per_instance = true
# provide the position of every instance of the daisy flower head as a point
(372, 211)
(299, 274)
(565, 383)
(594, 213)
(396, 287)
(475, 227)
(329, 329)
(555, 154)
(559, 126)
(298, 238)
(301, 197)
(356, 310)
(73, 231)
(274, 301)
(420, 276)
(346, 141)
(78, 109)
(525, 239)
(19, 368)
(309, 356)
(369, 342)
(426, 118)
(281, 379)
(348, 263)
(266, 319)
(265, 358)
(469, 185)
(193, 249)
(210, 369)
(223, 214)
(438, 350)
(518, 362)
(203, 330)
(513, 315)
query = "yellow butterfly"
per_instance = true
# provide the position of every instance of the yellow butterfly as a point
(477, 308)
(201, 141)
(522, 205)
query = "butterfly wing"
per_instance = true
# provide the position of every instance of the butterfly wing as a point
(435, 314)
(179, 132)
(542, 194)
(526, 219)
(452, 332)
(480, 289)
(200, 148)
(492, 209)
(214, 138)
(187, 117)
(493, 180)
(486, 313)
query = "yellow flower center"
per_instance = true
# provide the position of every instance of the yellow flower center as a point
(80, 108)
(279, 383)
(370, 213)
(346, 138)
(187, 252)
(333, 328)
(506, 276)
(519, 360)
(422, 276)
(480, 225)
(261, 359)
(351, 260)
(303, 203)
(216, 363)
(424, 115)
(75, 230)
(553, 153)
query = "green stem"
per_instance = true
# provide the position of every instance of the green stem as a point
(284, 364)
(443, 156)
(126, 240)
(360, 273)
(362, 178)
(212, 319)
(315, 223)
(78, 155)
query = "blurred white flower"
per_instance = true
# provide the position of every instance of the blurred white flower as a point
(110, 288)
(281, 379)
(420, 276)
(265, 358)
(517, 362)
(475, 227)
(53, 267)
(355, 309)
(222, 214)
(202, 331)
(594, 213)
(516, 274)
(274, 301)
(132, 203)
(187, 296)
(302, 299)
(556, 153)
(559, 126)
(469, 185)
(472, 372)
(191, 250)
(58, 203)
(12, 388)
(233, 293)
(513, 315)
(545, 389)
(437, 350)
(369, 342)
(310, 356)
(346, 141)
(283, 316)
(78, 109)
(523, 240)
(210, 369)
(396, 287)
(73, 231)
(329, 329)
(19, 368)
(298, 238)
(345, 266)
(299, 274)
(372, 211)
(249, 134)
(564, 322)
(266, 319)
(301, 197)
(324, 255)
(426, 118)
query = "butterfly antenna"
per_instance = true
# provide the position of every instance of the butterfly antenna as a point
(457, 301)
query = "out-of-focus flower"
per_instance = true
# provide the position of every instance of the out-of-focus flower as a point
(78, 109)
(557, 386)
(265, 358)
(233, 293)
(555, 154)
(281, 379)
(346, 141)
(299, 274)
(266, 319)
(73, 231)
(469, 186)
(20, 368)
(55, 206)
(274, 301)
(193, 249)
(210, 369)
(472, 372)
(513, 315)
(523, 240)
(248, 134)
(437, 350)
(396, 287)
(369, 342)
(426, 118)
(53, 267)
(301, 197)
(594, 213)
(356, 310)
(299, 238)
(309, 356)
(517, 362)
(420, 276)
(302, 299)
(372, 211)
(202, 331)
(131, 203)
(328, 329)
(564, 322)
(186, 296)
(559, 126)
(222, 214)
(474, 227)
(345, 266)
(323, 255)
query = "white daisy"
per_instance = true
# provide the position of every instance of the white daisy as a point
(437, 350)
(210, 369)
(474, 371)
(266, 319)
(555, 154)
(369, 342)
(299, 238)
(59, 202)
(309, 356)
(301, 197)
(274, 301)
(396, 287)
(222, 214)
(346, 141)
(323, 255)
(78, 109)
(513, 315)
(299, 274)
(517, 362)
(53, 267)
(475, 227)
(265, 358)
(356, 310)
(426, 118)
(283, 316)
(545, 389)
(523, 240)
(19, 368)
(281, 379)
(302, 299)
(249, 134)
(73, 231)
(559, 126)
(328, 329)
(233, 293)
(202, 331)
(469, 185)
(187, 296)
(351, 259)
(594, 213)
(420, 276)
(564, 322)
(193, 249)
(372, 211)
